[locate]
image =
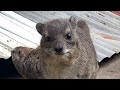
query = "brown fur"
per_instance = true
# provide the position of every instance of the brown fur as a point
(79, 60)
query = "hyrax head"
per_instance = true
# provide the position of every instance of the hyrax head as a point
(59, 36)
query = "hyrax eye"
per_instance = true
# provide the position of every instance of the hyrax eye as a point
(68, 36)
(48, 39)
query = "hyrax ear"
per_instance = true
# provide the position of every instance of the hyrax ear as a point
(73, 21)
(82, 24)
(39, 27)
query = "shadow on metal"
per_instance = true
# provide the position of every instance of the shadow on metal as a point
(7, 69)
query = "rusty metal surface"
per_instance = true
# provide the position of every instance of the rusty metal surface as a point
(104, 27)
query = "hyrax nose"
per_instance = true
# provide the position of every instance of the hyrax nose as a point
(59, 49)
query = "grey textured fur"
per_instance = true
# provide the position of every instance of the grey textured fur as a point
(78, 61)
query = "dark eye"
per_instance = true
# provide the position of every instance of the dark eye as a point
(68, 36)
(48, 39)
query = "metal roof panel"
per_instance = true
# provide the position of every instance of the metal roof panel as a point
(20, 27)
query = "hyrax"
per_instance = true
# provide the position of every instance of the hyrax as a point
(66, 51)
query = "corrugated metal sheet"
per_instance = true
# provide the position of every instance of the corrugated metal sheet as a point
(18, 29)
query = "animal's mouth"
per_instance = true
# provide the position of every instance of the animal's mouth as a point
(64, 52)
(60, 53)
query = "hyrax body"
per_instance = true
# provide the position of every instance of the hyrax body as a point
(66, 51)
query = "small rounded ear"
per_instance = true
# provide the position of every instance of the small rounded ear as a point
(39, 27)
(73, 21)
(82, 24)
